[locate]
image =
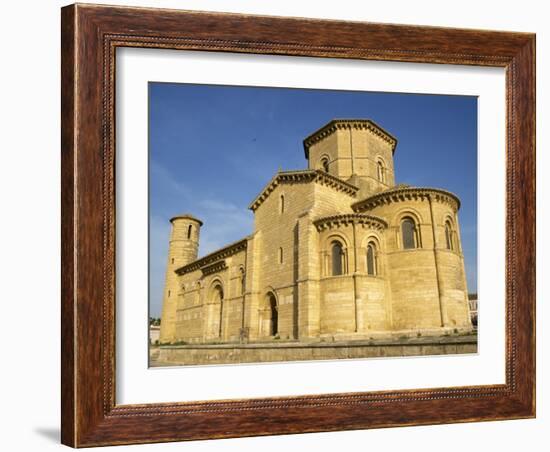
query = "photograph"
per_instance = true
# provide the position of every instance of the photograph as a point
(292, 224)
(305, 222)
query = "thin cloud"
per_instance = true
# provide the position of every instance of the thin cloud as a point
(164, 177)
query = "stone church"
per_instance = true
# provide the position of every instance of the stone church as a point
(339, 252)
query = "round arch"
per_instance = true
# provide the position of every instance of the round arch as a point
(216, 294)
(334, 265)
(214, 283)
(416, 217)
(372, 237)
(371, 261)
(215, 308)
(324, 163)
(269, 314)
(336, 236)
(407, 212)
(451, 241)
(381, 169)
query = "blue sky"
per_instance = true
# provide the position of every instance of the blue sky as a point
(243, 135)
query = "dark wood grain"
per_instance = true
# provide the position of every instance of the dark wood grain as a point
(67, 226)
(90, 36)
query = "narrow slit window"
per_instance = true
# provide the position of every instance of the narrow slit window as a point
(449, 236)
(381, 172)
(325, 165)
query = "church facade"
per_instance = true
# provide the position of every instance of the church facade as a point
(339, 252)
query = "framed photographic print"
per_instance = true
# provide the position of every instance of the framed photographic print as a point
(281, 225)
(352, 237)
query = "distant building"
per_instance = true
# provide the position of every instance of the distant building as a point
(472, 301)
(154, 334)
(338, 252)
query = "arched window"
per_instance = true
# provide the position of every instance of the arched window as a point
(371, 259)
(324, 164)
(381, 171)
(282, 204)
(337, 259)
(449, 236)
(409, 234)
(189, 229)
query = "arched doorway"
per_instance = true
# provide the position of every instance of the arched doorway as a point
(274, 314)
(269, 316)
(214, 325)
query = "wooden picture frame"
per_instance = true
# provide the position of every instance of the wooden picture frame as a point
(90, 36)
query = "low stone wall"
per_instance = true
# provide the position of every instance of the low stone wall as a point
(170, 355)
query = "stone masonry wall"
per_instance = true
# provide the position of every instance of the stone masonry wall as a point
(273, 352)
(354, 153)
(428, 283)
(200, 315)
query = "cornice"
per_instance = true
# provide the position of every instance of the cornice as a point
(214, 257)
(303, 176)
(185, 216)
(401, 193)
(338, 124)
(214, 268)
(363, 219)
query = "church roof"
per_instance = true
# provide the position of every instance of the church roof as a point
(303, 176)
(336, 124)
(402, 192)
(185, 216)
(214, 256)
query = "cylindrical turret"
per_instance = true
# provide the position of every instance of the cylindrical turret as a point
(184, 247)
(184, 240)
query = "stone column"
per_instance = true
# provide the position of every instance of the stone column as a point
(307, 279)
(442, 306)
(251, 320)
